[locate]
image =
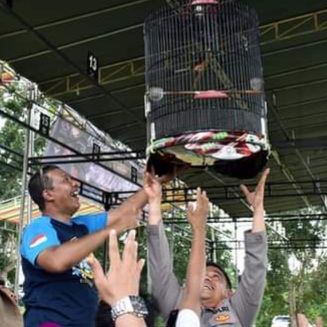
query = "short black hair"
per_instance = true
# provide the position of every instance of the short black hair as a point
(213, 264)
(40, 182)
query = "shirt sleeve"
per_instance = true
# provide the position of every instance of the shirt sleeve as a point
(94, 222)
(248, 296)
(38, 236)
(187, 317)
(165, 288)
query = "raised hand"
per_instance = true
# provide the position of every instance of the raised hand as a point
(123, 276)
(152, 188)
(255, 198)
(198, 212)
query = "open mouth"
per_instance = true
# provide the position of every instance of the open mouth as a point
(75, 194)
(208, 287)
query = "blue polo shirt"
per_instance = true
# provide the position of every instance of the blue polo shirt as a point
(68, 298)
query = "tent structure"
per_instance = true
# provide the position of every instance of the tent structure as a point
(51, 43)
(90, 55)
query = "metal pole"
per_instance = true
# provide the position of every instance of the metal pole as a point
(30, 154)
(214, 250)
(236, 254)
(172, 243)
(23, 191)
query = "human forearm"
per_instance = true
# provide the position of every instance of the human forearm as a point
(258, 223)
(128, 320)
(256, 201)
(165, 287)
(63, 257)
(126, 215)
(197, 217)
(255, 266)
(152, 188)
(248, 295)
(195, 272)
(154, 212)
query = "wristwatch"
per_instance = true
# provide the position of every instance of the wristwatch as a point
(129, 304)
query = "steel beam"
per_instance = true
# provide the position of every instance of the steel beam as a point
(71, 63)
(284, 168)
(74, 18)
(276, 31)
(294, 27)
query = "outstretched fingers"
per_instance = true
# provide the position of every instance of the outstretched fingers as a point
(130, 249)
(201, 197)
(98, 274)
(113, 249)
(245, 190)
(140, 265)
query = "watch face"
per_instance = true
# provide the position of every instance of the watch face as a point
(139, 305)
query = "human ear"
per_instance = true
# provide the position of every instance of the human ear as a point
(47, 195)
(230, 293)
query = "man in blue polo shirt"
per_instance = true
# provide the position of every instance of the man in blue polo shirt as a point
(59, 288)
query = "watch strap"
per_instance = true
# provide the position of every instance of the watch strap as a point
(129, 304)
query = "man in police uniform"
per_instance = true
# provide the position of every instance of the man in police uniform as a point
(219, 306)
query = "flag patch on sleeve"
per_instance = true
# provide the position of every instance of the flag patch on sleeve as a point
(39, 239)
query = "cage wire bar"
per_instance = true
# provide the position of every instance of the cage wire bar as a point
(204, 47)
(204, 75)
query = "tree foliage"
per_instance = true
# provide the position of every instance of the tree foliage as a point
(12, 136)
(307, 286)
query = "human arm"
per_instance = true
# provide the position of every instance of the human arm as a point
(165, 288)
(197, 217)
(61, 257)
(152, 189)
(55, 256)
(122, 279)
(248, 296)
(255, 200)
(127, 214)
(41, 246)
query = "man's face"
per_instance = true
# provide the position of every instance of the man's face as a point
(214, 286)
(63, 194)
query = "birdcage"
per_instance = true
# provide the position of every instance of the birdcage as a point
(204, 99)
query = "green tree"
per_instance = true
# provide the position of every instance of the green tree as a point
(12, 142)
(275, 300)
(12, 137)
(306, 287)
